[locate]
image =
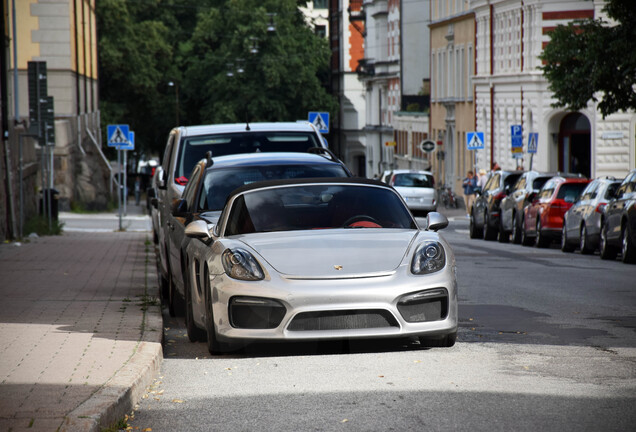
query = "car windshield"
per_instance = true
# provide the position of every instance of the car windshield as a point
(309, 207)
(413, 180)
(193, 149)
(570, 191)
(218, 183)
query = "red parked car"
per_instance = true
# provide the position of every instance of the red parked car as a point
(543, 219)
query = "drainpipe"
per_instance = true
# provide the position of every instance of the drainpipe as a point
(380, 130)
(492, 89)
(5, 136)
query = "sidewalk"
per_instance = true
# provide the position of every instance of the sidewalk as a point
(80, 330)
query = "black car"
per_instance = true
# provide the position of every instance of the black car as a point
(582, 223)
(618, 231)
(486, 211)
(530, 182)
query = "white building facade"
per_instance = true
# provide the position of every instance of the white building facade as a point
(510, 90)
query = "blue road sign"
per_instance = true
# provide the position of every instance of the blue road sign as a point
(533, 142)
(516, 136)
(131, 142)
(117, 135)
(474, 140)
(320, 120)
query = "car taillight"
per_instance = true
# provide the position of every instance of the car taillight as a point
(182, 181)
(600, 208)
(500, 196)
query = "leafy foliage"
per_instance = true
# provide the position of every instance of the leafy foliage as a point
(593, 60)
(144, 45)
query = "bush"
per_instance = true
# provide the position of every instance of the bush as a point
(40, 226)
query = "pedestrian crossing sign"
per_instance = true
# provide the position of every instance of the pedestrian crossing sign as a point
(131, 142)
(320, 120)
(474, 140)
(117, 135)
(533, 138)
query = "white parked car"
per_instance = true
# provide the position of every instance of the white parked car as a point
(416, 187)
(317, 259)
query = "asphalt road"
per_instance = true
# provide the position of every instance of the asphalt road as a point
(546, 342)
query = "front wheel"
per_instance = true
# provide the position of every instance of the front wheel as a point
(584, 243)
(542, 240)
(443, 342)
(473, 230)
(516, 231)
(608, 252)
(195, 334)
(628, 249)
(490, 233)
(565, 245)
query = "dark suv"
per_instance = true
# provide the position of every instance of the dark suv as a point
(618, 232)
(513, 204)
(485, 214)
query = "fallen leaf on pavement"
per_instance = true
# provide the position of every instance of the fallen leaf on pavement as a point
(177, 401)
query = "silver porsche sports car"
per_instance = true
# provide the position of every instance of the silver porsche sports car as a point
(319, 259)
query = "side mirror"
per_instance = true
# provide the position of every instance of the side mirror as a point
(161, 179)
(436, 221)
(154, 202)
(531, 196)
(151, 193)
(180, 208)
(199, 229)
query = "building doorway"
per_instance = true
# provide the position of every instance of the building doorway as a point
(575, 145)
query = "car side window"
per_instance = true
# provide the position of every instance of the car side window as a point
(590, 191)
(191, 188)
(167, 154)
(547, 190)
(493, 182)
(521, 183)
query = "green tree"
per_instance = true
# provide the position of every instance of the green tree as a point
(226, 81)
(135, 58)
(594, 60)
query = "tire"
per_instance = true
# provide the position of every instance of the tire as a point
(215, 347)
(443, 342)
(584, 243)
(195, 334)
(565, 245)
(516, 231)
(542, 241)
(608, 252)
(629, 249)
(474, 232)
(502, 236)
(175, 302)
(489, 232)
(525, 239)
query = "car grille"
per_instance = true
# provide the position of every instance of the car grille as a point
(342, 320)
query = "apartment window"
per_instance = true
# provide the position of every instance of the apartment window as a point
(321, 31)
(320, 4)
(471, 71)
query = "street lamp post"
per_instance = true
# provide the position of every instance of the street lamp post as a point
(176, 94)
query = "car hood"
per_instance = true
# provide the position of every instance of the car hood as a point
(333, 254)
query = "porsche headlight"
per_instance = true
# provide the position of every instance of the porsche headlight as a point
(429, 257)
(240, 264)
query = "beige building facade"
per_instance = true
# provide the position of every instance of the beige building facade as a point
(452, 91)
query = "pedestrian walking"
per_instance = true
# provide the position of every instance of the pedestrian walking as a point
(482, 178)
(137, 190)
(469, 184)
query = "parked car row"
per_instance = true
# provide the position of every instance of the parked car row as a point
(262, 234)
(534, 208)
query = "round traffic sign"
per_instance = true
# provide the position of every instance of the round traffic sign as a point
(427, 146)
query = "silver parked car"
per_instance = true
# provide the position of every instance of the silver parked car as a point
(416, 187)
(319, 259)
(582, 223)
(187, 145)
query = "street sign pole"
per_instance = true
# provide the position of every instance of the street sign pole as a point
(125, 181)
(119, 184)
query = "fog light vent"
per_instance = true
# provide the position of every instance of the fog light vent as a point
(256, 313)
(423, 306)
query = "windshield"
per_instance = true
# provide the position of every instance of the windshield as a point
(413, 180)
(218, 183)
(308, 207)
(193, 149)
(571, 191)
